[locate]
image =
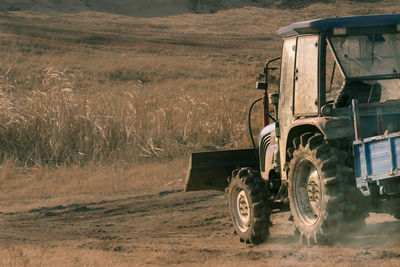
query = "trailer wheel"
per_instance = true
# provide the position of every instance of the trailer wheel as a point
(318, 181)
(249, 206)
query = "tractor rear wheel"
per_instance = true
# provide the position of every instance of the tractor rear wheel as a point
(249, 206)
(318, 182)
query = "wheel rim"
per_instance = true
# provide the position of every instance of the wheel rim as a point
(307, 192)
(241, 210)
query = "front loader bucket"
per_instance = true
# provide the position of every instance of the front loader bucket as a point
(210, 170)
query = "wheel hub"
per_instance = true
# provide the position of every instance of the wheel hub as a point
(308, 192)
(313, 191)
(243, 205)
(241, 210)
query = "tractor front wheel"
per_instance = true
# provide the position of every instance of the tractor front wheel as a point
(249, 205)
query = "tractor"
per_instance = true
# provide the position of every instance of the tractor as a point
(330, 148)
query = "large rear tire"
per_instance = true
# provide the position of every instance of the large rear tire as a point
(249, 206)
(319, 190)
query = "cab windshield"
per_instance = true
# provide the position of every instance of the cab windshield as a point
(371, 64)
(370, 56)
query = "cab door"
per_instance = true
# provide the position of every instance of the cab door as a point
(298, 91)
(285, 111)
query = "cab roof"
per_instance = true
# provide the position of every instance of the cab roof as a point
(326, 25)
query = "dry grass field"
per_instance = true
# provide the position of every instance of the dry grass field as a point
(98, 113)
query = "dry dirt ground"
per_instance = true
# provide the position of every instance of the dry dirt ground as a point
(171, 228)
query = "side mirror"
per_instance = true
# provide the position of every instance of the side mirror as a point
(274, 99)
(261, 85)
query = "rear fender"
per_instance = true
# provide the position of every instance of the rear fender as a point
(331, 128)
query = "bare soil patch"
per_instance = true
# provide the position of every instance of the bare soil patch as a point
(172, 228)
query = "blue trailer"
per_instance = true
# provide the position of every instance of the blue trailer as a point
(377, 161)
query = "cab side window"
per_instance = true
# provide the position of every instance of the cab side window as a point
(333, 77)
(306, 76)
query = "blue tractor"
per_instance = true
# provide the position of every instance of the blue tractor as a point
(330, 149)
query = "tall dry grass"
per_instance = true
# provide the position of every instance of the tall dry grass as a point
(93, 87)
(138, 92)
(55, 124)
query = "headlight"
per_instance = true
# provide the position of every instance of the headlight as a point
(326, 110)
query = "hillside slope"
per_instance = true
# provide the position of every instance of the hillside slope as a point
(152, 8)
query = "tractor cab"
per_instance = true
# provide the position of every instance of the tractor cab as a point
(328, 63)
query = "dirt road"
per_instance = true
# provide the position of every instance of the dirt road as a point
(175, 227)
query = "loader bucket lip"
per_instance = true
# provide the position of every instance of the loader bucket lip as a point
(209, 170)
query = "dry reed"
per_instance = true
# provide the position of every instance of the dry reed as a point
(53, 124)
